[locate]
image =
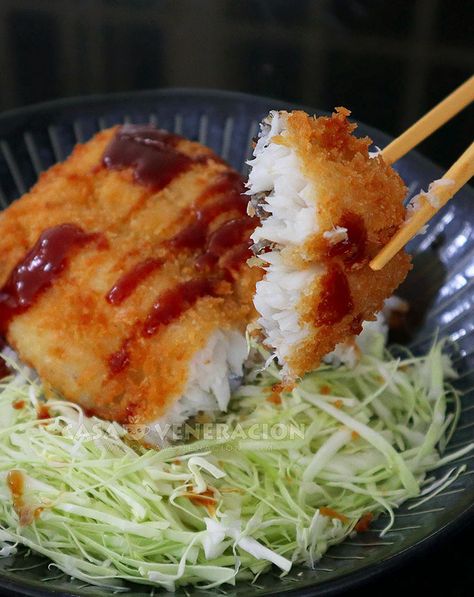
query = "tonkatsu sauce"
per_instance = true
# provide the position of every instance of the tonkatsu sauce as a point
(230, 186)
(156, 161)
(336, 301)
(35, 273)
(352, 249)
(229, 235)
(16, 484)
(172, 303)
(229, 241)
(206, 499)
(363, 524)
(120, 359)
(42, 412)
(127, 283)
(331, 513)
(239, 254)
(228, 182)
(150, 152)
(196, 236)
(4, 370)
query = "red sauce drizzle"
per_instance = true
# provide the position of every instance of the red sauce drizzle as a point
(16, 484)
(356, 325)
(227, 182)
(18, 404)
(125, 285)
(153, 155)
(363, 523)
(330, 513)
(150, 152)
(336, 300)
(120, 359)
(131, 412)
(206, 499)
(352, 249)
(234, 259)
(193, 236)
(4, 370)
(174, 302)
(42, 412)
(229, 235)
(39, 268)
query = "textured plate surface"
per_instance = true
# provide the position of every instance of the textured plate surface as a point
(440, 290)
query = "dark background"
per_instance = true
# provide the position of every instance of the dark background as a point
(388, 61)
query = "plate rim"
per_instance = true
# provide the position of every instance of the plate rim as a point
(33, 109)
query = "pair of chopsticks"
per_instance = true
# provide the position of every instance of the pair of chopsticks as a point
(441, 192)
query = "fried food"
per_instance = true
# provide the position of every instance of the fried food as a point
(326, 208)
(124, 277)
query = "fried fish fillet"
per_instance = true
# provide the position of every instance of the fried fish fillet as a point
(124, 277)
(326, 208)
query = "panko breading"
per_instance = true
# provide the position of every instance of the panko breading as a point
(160, 271)
(326, 208)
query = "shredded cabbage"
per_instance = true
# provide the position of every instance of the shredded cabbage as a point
(285, 474)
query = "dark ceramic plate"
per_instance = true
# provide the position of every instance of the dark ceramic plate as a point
(440, 290)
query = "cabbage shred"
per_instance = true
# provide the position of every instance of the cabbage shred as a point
(290, 472)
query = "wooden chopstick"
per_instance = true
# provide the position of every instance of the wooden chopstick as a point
(440, 193)
(430, 122)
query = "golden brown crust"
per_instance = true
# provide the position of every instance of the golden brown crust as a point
(350, 186)
(369, 289)
(70, 332)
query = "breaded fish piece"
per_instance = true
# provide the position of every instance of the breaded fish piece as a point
(124, 277)
(325, 208)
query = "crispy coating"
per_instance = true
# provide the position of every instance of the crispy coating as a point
(70, 332)
(351, 187)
